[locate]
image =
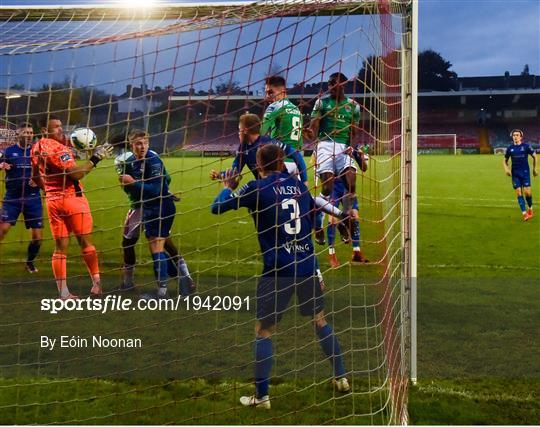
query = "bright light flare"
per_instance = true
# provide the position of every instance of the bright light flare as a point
(137, 4)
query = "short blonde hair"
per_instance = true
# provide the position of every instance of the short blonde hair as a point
(251, 122)
(137, 133)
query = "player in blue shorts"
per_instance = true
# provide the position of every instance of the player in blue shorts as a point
(338, 193)
(22, 194)
(283, 211)
(176, 265)
(519, 152)
(148, 183)
(249, 133)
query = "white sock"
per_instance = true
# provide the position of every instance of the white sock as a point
(183, 268)
(62, 287)
(96, 280)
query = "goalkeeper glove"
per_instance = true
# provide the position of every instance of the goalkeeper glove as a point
(101, 152)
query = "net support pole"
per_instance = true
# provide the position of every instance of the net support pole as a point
(409, 169)
(413, 189)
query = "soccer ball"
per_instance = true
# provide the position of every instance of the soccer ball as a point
(83, 138)
(120, 162)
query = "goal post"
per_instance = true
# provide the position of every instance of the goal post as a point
(184, 73)
(437, 143)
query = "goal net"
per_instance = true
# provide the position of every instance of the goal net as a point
(437, 143)
(184, 74)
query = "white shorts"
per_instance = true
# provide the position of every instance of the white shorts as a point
(332, 157)
(133, 224)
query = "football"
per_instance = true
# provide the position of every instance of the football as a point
(120, 162)
(83, 138)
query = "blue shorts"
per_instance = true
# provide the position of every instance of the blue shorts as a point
(158, 219)
(275, 293)
(31, 208)
(521, 179)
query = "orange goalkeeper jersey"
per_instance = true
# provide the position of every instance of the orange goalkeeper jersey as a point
(53, 158)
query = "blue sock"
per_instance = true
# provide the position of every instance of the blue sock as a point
(33, 249)
(263, 365)
(160, 268)
(331, 232)
(330, 347)
(355, 238)
(529, 201)
(521, 202)
(319, 218)
(172, 270)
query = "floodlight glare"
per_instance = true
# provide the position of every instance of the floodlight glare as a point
(142, 4)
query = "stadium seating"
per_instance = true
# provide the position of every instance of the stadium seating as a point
(466, 134)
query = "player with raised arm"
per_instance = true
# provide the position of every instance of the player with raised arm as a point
(282, 119)
(251, 140)
(22, 194)
(283, 211)
(54, 169)
(334, 121)
(519, 152)
(147, 182)
(176, 265)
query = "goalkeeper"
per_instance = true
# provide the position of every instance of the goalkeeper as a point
(54, 170)
(176, 265)
(283, 211)
(249, 133)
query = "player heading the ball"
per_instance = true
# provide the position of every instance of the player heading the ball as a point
(55, 170)
(283, 212)
(519, 152)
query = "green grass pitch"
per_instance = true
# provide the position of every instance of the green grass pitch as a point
(477, 309)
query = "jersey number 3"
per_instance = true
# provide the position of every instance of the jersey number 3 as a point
(287, 204)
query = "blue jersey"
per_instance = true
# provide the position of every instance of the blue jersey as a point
(283, 211)
(151, 180)
(18, 176)
(520, 158)
(247, 155)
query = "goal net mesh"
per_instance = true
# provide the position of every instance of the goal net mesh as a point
(185, 74)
